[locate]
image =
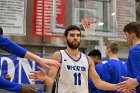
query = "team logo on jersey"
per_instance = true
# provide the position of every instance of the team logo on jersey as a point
(65, 59)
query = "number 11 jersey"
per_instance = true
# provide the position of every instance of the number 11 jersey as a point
(73, 74)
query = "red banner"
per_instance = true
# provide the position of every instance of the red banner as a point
(61, 15)
(43, 10)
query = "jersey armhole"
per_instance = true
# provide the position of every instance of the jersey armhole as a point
(87, 60)
(60, 57)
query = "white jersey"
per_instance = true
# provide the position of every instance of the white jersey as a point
(73, 74)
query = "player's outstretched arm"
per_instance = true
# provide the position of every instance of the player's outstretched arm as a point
(15, 87)
(96, 79)
(19, 51)
(10, 86)
(47, 63)
(98, 82)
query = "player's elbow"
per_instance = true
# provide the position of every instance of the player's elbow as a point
(98, 85)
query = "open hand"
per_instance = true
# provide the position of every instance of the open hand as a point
(38, 75)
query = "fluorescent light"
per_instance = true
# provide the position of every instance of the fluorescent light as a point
(113, 14)
(100, 23)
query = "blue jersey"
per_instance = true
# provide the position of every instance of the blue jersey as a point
(133, 64)
(13, 48)
(113, 71)
(99, 70)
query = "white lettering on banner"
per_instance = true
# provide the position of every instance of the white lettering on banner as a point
(15, 68)
(10, 68)
(27, 68)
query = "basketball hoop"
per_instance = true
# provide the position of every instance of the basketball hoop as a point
(89, 24)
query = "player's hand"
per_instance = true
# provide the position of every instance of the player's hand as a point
(132, 91)
(48, 63)
(7, 77)
(128, 85)
(131, 82)
(28, 89)
(38, 75)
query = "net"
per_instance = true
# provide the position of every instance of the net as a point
(89, 24)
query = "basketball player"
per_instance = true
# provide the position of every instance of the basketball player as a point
(95, 55)
(132, 34)
(15, 49)
(75, 69)
(114, 69)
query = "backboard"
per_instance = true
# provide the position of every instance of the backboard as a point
(113, 14)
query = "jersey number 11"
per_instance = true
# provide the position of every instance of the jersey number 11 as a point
(77, 78)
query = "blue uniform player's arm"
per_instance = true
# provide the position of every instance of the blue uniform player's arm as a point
(17, 50)
(11, 86)
(11, 47)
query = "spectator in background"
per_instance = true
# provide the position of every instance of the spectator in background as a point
(114, 69)
(96, 57)
(17, 50)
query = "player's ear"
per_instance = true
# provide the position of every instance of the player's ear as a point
(109, 50)
(133, 35)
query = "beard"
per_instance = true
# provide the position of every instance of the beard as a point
(74, 45)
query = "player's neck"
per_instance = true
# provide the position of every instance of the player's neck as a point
(113, 56)
(137, 41)
(73, 52)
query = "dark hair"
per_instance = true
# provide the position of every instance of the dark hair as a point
(95, 52)
(71, 27)
(132, 27)
(114, 46)
(1, 31)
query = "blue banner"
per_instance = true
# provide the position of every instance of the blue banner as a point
(18, 68)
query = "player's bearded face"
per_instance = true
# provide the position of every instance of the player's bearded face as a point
(73, 45)
(73, 39)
